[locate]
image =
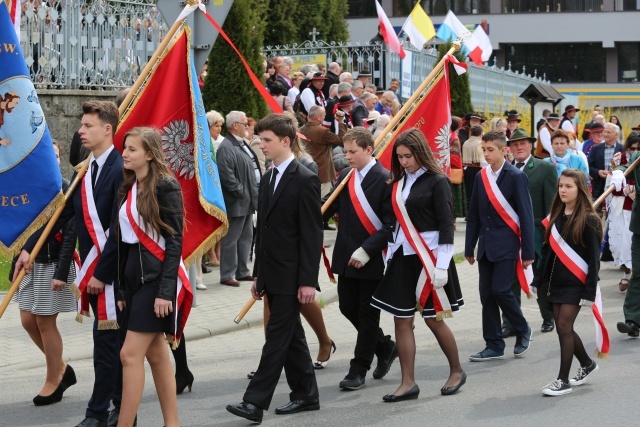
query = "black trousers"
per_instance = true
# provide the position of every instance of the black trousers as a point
(354, 296)
(106, 363)
(469, 176)
(543, 304)
(496, 279)
(285, 347)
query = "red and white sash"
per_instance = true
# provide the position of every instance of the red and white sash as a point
(580, 268)
(363, 209)
(106, 299)
(510, 217)
(424, 287)
(155, 244)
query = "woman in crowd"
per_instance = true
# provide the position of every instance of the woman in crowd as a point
(422, 194)
(296, 79)
(277, 92)
(499, 124)
(457, 188)
(573, 234)
(562, 157)
(43, 294)
(150, 273)
(270, 75)
(616, 121)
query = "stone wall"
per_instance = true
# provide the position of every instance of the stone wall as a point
(63, 111)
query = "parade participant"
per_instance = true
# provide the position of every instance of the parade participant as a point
(600, 159)
(313, 94)
(288, 246)
(364, 229)
(543, 145)
(596, 134)
(500, 221)
(471, 160)
(152, 281)
(342, 114)
(542, 188)
(561, 156)
(567, 119)
(570, 266)
(93, 206)
(513, 121)
(43, 294)
(420, 261)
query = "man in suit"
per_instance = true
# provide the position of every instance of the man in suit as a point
(239, 178)
(499, 247)
(360, 111)
(332, 77)
(283, 76)
(358, 257)
(600, 159)
(98, 125)
(542, 189)
(288, 246)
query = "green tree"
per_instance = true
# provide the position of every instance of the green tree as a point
(459, 85)
(281, 24)
(337, 28)
(328, 17)
(227, 86)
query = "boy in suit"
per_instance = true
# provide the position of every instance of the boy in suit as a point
(500, 200)
(358, 257)
(288, 247)
(98, 126)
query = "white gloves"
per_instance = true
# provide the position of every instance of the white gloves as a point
(586, 303)
(534, 292)
(361, 256)
(440, 278)
(618, 180)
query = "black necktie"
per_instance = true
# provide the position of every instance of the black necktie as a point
(94, 173)
(519, 165)
(272, 183)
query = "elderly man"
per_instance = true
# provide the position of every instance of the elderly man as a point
(344, 89)
(333, 77)
(543, 147)
(365, 77)
(357, 89)
(346, 77)
(596, 136)
(369, 87)
(362, 107)
(239, 178)
(383, 105)
(283, 76)
(600, 159)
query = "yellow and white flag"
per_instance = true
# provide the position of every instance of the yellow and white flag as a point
(419, 27)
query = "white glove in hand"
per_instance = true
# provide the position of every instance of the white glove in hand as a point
(534, 292)
(361, 256)
(618, 180)
(586, 303)
(440, 278)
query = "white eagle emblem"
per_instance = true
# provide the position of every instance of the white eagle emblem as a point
(442, 143)
(178, 152)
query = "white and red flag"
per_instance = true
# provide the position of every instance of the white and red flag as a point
(388, 33)
(479, 46)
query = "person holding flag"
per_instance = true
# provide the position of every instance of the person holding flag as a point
(420, 270)
(571, 263)
(152, 280)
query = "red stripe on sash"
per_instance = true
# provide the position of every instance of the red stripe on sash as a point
(362, 215)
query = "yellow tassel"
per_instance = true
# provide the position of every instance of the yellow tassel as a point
(601, 355)
(104, 325)
(333, 280)
(79, 317)
(173, 342)
(75, 291)
(529, 296)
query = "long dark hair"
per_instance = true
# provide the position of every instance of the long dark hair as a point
(147, 202)
(583, 212)
(416, 142)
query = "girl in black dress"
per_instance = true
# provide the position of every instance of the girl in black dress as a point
(426, 196)
(151, 209)
(573, 222)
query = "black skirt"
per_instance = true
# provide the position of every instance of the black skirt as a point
(141, 298)
(396, 293)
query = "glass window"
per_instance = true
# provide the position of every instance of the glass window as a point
(459, 7)
(527, 6)
(628, 62)
(627, 4)
(562, 63)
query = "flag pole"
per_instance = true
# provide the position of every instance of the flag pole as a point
(43, 237)
(609, 190)
(383, 139)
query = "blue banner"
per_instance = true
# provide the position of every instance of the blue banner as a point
(30, 179)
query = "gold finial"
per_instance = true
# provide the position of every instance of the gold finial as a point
(457, 44)
(192, 2)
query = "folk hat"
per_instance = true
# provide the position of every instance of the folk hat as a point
(346, 100)
(569, 108)
(318, 76)
(373, 116)
(513, 116)
(553, 116)
(596, 127)
(470, 116)
(636, 128)
(520, 134)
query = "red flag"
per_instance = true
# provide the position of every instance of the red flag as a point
(433, 118)
(171, 102)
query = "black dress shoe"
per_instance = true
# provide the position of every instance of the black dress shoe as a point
(251, 374)
(352, 382)
(92, 422)
(54, 397)
(246, 410)
(206, 269)
(296, 406)
(384, 364)
(507, 332)
(114, 416)
(629, 328)
(447, 391)
(547, 327)
(68, 378)
(410, 395)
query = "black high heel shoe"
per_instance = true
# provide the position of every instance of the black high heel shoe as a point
(54, 397)
(68, 378)
(184, 382)
(323, 364)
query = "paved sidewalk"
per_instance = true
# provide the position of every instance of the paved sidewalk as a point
(219, 305)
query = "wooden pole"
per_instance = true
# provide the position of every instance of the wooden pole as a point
(43, 236)
(609, 190)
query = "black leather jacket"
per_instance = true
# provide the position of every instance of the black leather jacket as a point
(169, 195)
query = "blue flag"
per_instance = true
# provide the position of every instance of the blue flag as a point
(30, 179)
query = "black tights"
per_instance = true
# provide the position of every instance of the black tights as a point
(570, 343)
(180, 357)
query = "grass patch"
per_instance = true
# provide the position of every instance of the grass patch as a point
(321, 301)
(459, 258)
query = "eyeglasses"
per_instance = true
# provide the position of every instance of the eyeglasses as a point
(245, 124)
(633, 149)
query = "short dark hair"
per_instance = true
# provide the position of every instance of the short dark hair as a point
(476, 130)
(361, 136)
(280, 124)
(498, 138)
(106, 111)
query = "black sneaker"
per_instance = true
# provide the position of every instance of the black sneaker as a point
(557, 388)
(522, 343)
(583, 373)
(352, 382)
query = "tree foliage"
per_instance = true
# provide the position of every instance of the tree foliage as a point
(326, 16)
(459, 85)
(281, 24)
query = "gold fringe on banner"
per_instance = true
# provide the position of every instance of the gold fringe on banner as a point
(104, 325)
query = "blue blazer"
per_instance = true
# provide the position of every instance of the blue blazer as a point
(596, 163)
(105, 195)
(485, 227)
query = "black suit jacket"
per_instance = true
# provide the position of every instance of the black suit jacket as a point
(288, 232)
(285, 83)
(359, 113)
(596, 163)
(105, 195)
(352, 234)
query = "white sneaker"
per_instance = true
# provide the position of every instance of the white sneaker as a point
(201, 287)
(557, 388)
(583, 373)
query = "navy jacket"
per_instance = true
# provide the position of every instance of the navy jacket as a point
(596, 163)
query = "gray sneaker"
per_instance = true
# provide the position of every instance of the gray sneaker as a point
(583, 373)
(486, 355)
(522, 343)
(557, 388)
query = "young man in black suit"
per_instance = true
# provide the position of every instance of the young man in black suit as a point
(358, 254)
(98, 126)
(288, 246)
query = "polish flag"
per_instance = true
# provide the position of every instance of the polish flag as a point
(459, 67)
(479, 46)
(388, 33)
